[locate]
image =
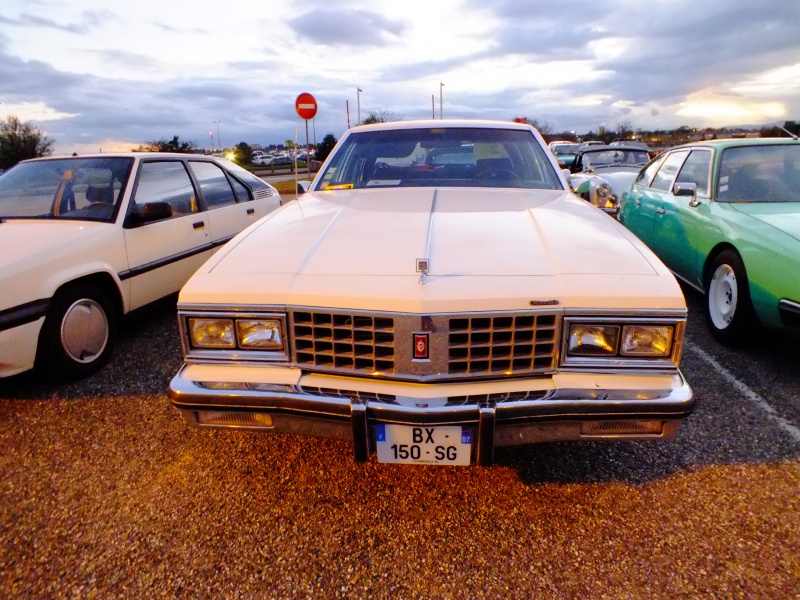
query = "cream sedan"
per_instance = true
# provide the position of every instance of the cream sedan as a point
(87, 239)
(432, 311)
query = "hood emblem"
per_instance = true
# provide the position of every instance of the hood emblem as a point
(544, 303)
(423, 265)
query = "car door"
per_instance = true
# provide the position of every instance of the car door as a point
(637, 212)
(163, 253)
(231, 206)
(681, 218)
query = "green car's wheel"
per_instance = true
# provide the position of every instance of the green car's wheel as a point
(729, 311)
(78, 333)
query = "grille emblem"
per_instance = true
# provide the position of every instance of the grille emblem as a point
(421, 346)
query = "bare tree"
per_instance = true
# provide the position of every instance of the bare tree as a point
(381, 115)
(20, 141)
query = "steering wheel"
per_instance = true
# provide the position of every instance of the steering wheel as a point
(497, 174)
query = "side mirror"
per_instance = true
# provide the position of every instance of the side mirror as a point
(303, 187)
(688, 190)
(152, 211)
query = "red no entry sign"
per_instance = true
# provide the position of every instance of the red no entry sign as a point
(306, 106)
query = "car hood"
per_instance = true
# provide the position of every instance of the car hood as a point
(461, 232)
(488, 249)
(618, 178)
(25, 242)
(783, 216)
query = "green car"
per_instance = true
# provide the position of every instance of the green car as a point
(724, 216)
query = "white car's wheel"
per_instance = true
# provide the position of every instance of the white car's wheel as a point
(78, 334)
(728, 308)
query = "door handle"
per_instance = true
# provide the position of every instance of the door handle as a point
(250, 211)
(199, 224)
(660, 211)
(637, 202)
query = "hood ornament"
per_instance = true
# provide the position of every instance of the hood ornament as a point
(423, 266)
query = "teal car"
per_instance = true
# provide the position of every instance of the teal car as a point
(724, 216)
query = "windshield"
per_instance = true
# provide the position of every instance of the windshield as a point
(760, 174)
(440, 157)
(71, 188)
(566, 148)
(615, 158)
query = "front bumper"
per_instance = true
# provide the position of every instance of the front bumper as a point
(508, 413)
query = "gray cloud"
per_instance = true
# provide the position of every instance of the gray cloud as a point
(345, 27)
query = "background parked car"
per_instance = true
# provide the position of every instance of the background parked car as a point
(87, 239)
(724, 215)
(600, 174)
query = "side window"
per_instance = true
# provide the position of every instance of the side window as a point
(666, 174)
(213, 183)
(165, 181)
(645, 176)
(697, 170)
(242, 193)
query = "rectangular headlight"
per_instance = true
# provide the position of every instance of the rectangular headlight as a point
(260, 334)
(593, 340)
(212, 333)
(646, 340)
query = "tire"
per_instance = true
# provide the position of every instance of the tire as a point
(78, 334)
(729, 310)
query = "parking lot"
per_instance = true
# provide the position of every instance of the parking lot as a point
(106, 492)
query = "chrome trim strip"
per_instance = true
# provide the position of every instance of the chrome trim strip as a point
(427, 255)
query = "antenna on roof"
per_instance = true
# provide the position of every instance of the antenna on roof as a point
(792, 135)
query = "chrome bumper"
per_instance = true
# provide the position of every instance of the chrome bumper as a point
(502, 419)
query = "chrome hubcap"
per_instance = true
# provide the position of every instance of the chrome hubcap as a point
(84, 331)
(722, 297)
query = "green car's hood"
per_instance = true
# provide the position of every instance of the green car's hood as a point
(783, 216)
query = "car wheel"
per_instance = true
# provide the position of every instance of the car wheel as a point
(78, 334)
(729, 311)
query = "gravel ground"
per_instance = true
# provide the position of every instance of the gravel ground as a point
(107, 493)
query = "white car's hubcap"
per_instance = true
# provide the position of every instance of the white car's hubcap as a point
(722, 297)
(84, 330)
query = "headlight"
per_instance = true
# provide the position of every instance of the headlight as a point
(212, 333)
(249, 332)
(603, 196)
(593, 340)
(646, 340)
(260, 334)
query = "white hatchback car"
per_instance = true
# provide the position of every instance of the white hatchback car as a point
(86, 239)
(431, 310)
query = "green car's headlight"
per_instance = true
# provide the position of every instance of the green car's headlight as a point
(212, 333)
(647, 340)
(593, 340)
(260, 334)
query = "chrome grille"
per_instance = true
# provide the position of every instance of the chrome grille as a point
(341, 341)
(461, 346)
(508, 344)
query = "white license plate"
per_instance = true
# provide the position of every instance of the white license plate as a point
(438, 445)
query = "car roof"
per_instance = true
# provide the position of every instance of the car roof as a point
(436, 123)
(736, 142)
(130, 155)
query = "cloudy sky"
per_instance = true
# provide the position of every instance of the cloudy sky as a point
(110, 75)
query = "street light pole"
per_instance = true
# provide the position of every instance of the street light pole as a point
(219, 139)
(358, 101)
(441, 106)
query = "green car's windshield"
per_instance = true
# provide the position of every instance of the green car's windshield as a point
(68, 188)
(769, 173)
(440, 157)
